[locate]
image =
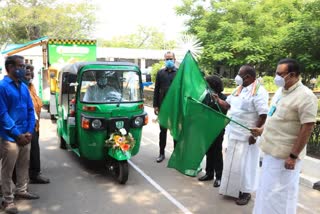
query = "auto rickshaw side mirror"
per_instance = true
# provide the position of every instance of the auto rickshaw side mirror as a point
(73, 87)
(74, 84)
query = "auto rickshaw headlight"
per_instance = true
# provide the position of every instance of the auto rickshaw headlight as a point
(96, 124)
(138, 121)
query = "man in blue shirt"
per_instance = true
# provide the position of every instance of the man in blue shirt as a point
(17, 122)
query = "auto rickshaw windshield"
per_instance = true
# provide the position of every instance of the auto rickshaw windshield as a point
(110, 86)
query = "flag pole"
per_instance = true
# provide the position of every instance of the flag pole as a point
(231, 120)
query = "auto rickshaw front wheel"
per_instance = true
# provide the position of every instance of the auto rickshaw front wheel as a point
(120, 170)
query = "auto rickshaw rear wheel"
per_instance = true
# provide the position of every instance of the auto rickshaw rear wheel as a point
(62, 142)
(120, 170)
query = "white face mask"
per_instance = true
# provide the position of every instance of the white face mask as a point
(280, 81)
(238, 80)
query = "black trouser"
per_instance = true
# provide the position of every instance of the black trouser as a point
(163, 140)
(214, 158)
(34, 165)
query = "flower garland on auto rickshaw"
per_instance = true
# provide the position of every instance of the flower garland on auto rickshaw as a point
(121, 140)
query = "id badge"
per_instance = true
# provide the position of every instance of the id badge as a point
(272, 110)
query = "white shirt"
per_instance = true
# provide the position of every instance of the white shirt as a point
(245, 109)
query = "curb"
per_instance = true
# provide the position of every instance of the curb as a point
(309, 181)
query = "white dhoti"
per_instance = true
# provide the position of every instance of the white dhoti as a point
(240, 168)
(278, 187)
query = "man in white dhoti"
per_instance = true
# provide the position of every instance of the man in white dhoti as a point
(288, 127)
(249, 106)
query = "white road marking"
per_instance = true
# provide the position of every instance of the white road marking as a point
(158, 187)
(152, 141)
(150, 112)
(170, 151)
(306, 208)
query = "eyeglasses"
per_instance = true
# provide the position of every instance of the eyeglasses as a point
(169, 59)
(281, 74)
(244, 77)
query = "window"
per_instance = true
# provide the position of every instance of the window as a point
(110, 86)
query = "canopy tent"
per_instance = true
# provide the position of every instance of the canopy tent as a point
(21, 47)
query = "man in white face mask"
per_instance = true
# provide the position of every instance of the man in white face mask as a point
(249, 106)
(288, 127)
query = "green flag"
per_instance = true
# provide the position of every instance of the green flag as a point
(188, 82)
(201, 127)
(191, 123)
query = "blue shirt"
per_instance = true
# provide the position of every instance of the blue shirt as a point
(16, 110)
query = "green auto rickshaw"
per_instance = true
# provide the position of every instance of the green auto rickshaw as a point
(101, 112)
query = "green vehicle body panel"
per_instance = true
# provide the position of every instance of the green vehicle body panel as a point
(61, 52)
(90, 144)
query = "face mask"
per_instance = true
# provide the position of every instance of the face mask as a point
(169, 63)
(280, 81)
(102, 82)
(238, 80)
(30, 81)
(20, 73)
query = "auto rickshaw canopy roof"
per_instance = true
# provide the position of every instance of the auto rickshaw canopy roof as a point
(75, 68)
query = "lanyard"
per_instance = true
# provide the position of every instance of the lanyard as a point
(281, 95)
(274, 105)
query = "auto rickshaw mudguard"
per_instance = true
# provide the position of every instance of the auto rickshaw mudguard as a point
(119, 155)
(136, 133)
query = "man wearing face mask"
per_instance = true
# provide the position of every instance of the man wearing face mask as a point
(289, 124)
(35, 167)
(164, 79)
(17, 123)
(101, 92)
(248, 105)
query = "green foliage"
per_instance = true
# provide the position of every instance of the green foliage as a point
(145, 37)
(155, 68)
(25, 20)
(228, 83)
(318, 82)
(268, 83)
(254, 32)
(303, 39)
(318, 114)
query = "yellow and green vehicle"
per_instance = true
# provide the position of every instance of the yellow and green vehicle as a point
(101, 112)
(58, 53)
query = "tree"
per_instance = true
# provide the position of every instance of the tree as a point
(303, 39)
(257, 32)
(24, 20)
(155, 68)
(145, 37)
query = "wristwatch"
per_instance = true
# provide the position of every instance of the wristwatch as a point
(254, 137)
(293, 156)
